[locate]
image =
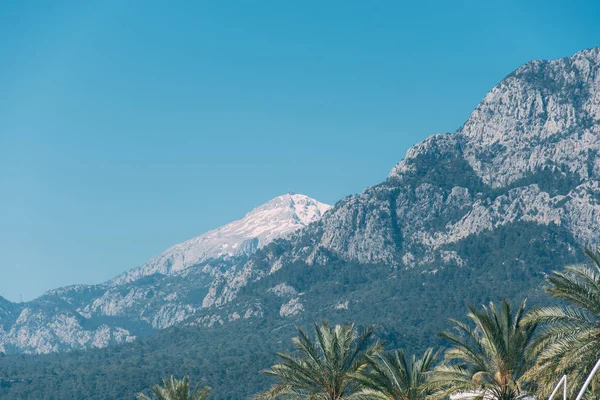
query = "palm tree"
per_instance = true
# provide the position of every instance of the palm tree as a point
(391, 377)
(488, 357)
(569, 343)
(175, 389)
(322, 369)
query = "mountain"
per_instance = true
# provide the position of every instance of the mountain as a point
(272, 220)
(166, 290)
(6, 314)
(466, 217)
(524, 164)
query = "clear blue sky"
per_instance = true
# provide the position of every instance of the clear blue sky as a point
(128, 126)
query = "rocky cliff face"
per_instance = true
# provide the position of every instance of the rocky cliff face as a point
(543, 116)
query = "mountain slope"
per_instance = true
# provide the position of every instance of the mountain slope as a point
(166, 290)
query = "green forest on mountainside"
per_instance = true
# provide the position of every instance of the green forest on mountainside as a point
(409, 308)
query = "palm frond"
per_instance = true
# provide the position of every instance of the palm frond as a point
(488, 357)
(323, 368)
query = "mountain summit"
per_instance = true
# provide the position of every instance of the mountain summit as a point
(274, 219)
(543, 116)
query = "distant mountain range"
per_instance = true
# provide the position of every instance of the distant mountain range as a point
(470, 216)
(159, 294)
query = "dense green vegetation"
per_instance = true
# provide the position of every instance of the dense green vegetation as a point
(488, 355)
(324, 368)
(569, 343)
(175, 389)
(487, 359)
(229, 362)
(390, 376)
(409, 308)
(497, 355)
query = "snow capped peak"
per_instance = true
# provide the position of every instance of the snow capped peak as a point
(304, 208)
(267, 222)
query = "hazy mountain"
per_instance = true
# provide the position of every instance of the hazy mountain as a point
(162, 292)
(272, 220)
